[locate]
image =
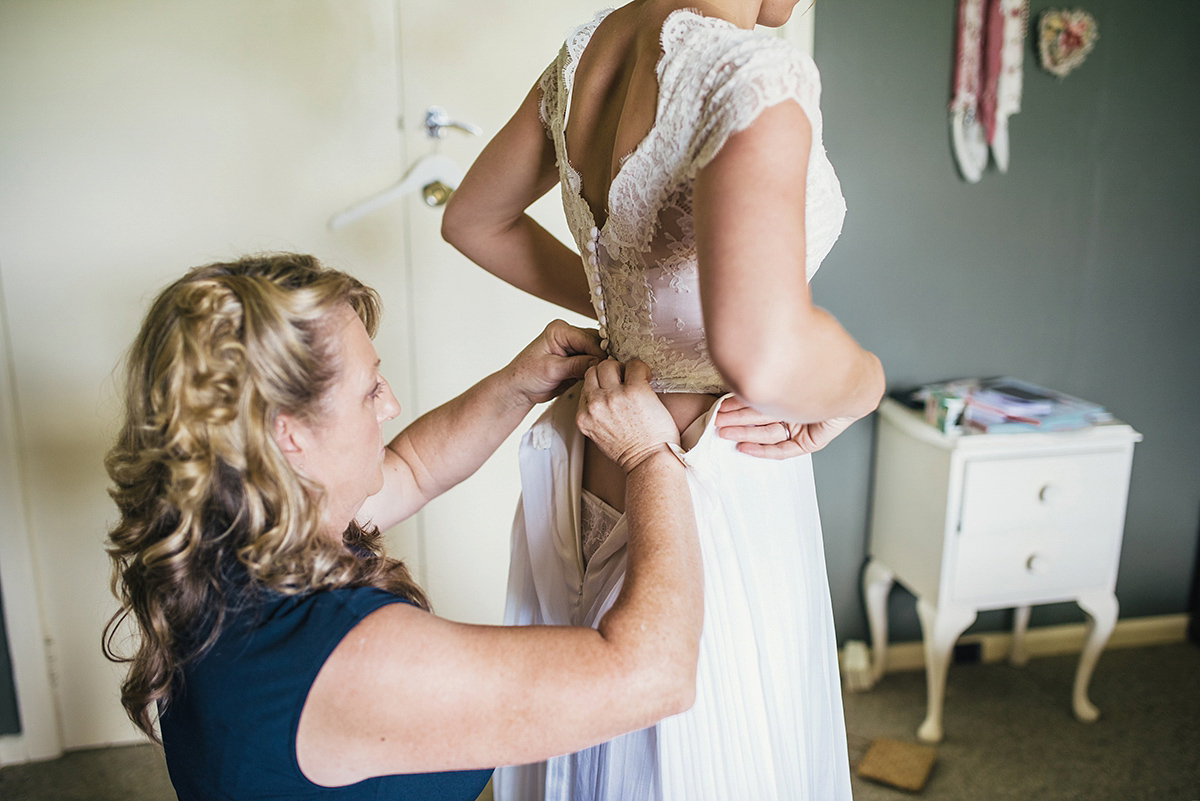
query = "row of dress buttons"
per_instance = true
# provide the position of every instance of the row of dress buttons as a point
(598, 303)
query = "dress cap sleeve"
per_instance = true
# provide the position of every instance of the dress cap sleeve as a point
(737, 75)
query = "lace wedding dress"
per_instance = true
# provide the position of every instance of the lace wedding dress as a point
(767, 722)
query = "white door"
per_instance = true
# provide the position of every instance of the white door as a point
(477, 60)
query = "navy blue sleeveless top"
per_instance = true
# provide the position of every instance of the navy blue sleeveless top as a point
(229, 730)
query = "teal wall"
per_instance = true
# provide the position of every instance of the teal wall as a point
(1079, 269)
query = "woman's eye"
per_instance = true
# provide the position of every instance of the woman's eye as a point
(377, 391)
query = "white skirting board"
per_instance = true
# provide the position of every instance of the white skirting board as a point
(1041, 641)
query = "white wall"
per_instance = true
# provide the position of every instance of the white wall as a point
(36, 721)
(139, 138)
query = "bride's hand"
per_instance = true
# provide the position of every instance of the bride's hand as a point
(769, 438)
(557, 359)
(622, 415)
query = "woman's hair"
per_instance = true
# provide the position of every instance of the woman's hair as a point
(211, 511)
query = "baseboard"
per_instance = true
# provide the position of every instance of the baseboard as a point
(1051, 640)
(15, 749)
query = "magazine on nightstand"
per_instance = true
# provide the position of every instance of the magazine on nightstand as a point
(1002, 404)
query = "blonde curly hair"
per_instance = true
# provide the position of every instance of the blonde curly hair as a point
(211, 510)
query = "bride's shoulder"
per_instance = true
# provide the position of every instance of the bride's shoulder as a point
(716, 79)
(697, 44)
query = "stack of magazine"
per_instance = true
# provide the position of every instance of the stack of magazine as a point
(1006, 405)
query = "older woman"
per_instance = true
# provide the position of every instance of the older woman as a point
(283, 654)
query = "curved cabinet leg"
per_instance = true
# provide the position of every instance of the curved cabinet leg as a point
(940, 627)
(1017, 655)
(1101, 608)
(876, 584)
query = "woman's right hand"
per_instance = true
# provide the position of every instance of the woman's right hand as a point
(622, 415)
(768, 437)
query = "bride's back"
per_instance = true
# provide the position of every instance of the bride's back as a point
(612, 109)
(638, 102)
(615, 93)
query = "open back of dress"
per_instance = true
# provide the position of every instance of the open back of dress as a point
(714, 79)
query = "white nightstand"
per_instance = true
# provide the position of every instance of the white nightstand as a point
(993, 521)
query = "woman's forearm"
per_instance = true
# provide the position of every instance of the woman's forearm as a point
(458, 696)
(657, 619)
(522, 253)
(446, 445)
(802, 370)
(486, 216)
(426, 694)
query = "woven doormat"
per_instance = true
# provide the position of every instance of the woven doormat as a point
(900, 764)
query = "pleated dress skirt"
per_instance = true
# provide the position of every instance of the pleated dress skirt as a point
(767, 722)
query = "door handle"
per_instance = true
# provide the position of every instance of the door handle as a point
(437, 122)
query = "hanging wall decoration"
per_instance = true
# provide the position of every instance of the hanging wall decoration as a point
(1064, 39)
(989, 51)
(1003, 73)
(966, 132)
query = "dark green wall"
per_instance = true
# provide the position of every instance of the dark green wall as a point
(1079, 269)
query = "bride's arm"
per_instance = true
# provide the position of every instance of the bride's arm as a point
(485, 218)
(783, 355)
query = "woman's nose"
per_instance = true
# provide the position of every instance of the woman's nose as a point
(390, 407)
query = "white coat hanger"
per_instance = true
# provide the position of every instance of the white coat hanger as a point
(436, 176)
(427, 171)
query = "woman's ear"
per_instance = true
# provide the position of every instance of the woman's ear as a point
(285, 430)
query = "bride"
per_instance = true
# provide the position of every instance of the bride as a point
(687, 146)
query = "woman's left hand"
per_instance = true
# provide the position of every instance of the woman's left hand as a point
(769, 438)
(554, 361)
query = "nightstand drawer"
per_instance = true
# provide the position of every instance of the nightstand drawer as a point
(1032, 562)
(1041, 491)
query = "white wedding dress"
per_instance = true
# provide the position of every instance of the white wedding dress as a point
(767, 722)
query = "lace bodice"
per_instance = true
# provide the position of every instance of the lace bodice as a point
(714, 79)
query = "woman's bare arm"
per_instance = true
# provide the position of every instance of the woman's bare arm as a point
(485, 218)
(778, 351)
(446, 445)
(408, 692)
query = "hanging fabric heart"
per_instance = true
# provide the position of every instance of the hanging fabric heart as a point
(1064, 39)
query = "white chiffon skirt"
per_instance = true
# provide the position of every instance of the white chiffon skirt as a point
(767, 722)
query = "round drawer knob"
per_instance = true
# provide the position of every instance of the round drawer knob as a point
(1036, 564)
(1049, 493)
